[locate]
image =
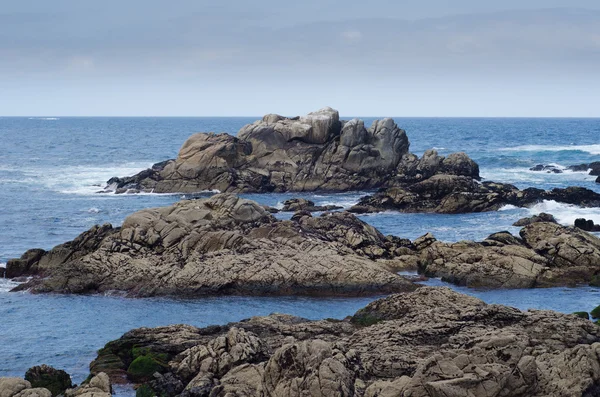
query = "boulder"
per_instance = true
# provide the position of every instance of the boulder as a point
(309, 153)
(587, 225)
(550, 169)
(55, 380)
(223, 245)
(430, 342)
(10, 387)
(98, 386)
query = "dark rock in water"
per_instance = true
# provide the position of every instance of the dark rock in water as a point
(584, 315)
(2, 272)
(55, 380)
(441, 343)
(587, 225)
(593, 168)
(132, 184)
(313, 152)
(22, 266)
(547, 168)
(218, 246)
(452, 194)
(293, 205)
(598, 180)
(542, 217)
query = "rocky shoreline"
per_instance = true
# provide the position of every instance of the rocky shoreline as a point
(226, 245)
(432, 342)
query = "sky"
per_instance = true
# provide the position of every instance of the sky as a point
(427, 58)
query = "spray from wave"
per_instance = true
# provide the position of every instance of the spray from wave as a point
(565, 214)
(591, 149)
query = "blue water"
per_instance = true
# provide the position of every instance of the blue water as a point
(50, 170)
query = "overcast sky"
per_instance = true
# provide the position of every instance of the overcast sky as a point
(236, 57)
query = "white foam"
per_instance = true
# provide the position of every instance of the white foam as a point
(44, 118)
(591, 149)
(93, 210)
(565, 214)
(513, 175)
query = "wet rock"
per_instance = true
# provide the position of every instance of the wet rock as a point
(300, 204)
(55, 380)
(431, 342)
(452, 194)
(593, 168)
(587, 225)
(313, 152)
(223, 245)
(546, 168)
(542, 217)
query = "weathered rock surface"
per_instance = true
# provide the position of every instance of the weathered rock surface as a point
(546, 254)
(542, 217)
(10, 387)
(314, 152)
(453, 194)
(433, 342)
(220, 245)
(294, 205)
(44, 376)
(98, 386)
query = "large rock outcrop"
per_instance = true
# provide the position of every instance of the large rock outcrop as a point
(220, 245)
(314, 152)
(453, 194)
(433, 342)
(546, 254)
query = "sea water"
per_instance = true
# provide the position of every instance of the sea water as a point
(52, 167)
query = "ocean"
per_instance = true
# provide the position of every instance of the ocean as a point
(51, 169)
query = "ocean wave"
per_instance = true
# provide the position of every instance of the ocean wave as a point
(44, 118)
(565, 214)
(591, 149)
(519, 174)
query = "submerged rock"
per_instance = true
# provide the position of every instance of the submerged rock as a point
(593, 168)
(220, 245)
(547, 168)
(431, 342)
(452, 194)
(293, 205)
(314, 152)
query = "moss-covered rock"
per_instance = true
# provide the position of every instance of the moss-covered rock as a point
(144, 366)
(145, 391)
(585, 315)
(595, 281)
(55, 380)
(595, 312)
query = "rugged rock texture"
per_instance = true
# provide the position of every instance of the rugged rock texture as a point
(220, 245)
(98, 386)
(542, 217)
(587, 225)
(294, 205)
(452, 194)
(546, 254)
(55, 380)
(314, 152)
(429, 343)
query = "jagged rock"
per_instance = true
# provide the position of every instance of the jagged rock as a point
(431, 342)
(55, 380)
(222, 245)
(300, 204)
(546, 254)
(314, 152)
(452, 194)
(542, 217)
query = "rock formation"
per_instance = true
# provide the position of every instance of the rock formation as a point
(295, 205)
(220, 245)
(58, 383)
(277, 154)
(587, 225)
(433, 342)
(453, 194)
(542, 217)
(546, 254)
